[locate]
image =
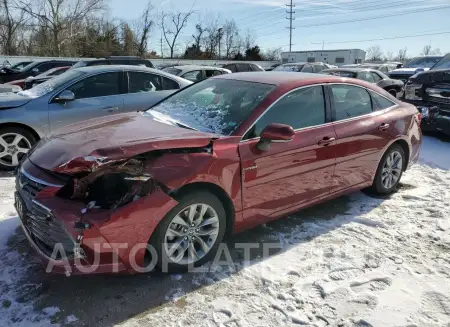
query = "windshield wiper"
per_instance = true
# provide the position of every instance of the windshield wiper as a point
(184, 126)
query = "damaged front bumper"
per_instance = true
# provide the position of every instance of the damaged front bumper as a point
(111, 241)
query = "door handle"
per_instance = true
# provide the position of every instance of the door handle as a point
(326, 141)
(383, 127)
(110, 109)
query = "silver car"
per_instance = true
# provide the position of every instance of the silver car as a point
(73, 96)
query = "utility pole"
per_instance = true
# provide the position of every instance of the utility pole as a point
(162, 55)
(291, 12)
(220, 30)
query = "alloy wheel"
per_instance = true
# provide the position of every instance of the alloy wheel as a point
(392, 169)
(191, 234)
(13, 147)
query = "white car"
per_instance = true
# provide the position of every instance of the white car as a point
(195, 73)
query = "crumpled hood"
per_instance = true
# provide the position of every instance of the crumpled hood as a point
(12, 100)
(432, 76)
(89, 144)
(408, 71)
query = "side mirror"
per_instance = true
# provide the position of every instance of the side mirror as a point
(275, 133)
(35, 71)
(65, 96)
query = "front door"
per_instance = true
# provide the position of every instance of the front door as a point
(363, 130)
(95, 96)
(289, 175)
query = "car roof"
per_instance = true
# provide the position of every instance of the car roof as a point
(353, 70)
(281, 78)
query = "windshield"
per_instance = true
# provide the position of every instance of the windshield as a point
(171, 70)
(444, 63)
(423, 62)
(289, 68)
(19, 66)
(52, 84)
(213, 105)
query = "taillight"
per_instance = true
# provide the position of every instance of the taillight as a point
(418, 118)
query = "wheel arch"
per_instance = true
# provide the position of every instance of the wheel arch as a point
(219, 192)
(404, 145)
(24, 126)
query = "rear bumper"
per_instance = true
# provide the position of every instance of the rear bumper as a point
(435, 121)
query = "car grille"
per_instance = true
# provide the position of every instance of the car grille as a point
(45, 229)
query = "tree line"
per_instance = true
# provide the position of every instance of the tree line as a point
(78, 28)
(375, 53)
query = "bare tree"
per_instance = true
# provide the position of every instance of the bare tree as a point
(60, 17)
(401, 55)
(428, 50)
(249, 40)
(198, 36)
(231, 34)
(273, 54)
(374, 53)
(389, 56)
(11, 21)
(142, 28)
(171, 30)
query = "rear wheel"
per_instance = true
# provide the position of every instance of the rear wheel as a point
(190, 233)
(389, 170)
(15, 142)
(393, 92)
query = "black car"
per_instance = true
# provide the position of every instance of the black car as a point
(34, 69)
(32, 81)
(393, 86)
(243, 67)
(16, 67)
(302, 67)
(430, 93)
(116, 60)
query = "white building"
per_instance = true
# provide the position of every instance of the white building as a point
(332, 57)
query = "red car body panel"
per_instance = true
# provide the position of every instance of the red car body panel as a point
(19, 82)
(261, 186)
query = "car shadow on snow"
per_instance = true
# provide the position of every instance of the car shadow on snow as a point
(106, 300)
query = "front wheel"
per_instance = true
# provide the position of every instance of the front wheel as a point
(390, 170)
(190, 233)
(15, 142)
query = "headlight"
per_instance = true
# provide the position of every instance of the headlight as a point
(411, 91)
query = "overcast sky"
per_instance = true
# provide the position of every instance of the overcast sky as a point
(336, 24)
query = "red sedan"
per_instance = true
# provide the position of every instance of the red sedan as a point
(216, 158)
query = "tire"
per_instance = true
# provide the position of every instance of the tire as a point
(15, 142)
(164, 240)
(393, 92)
(380, 184)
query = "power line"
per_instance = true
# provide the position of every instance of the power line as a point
(386, 38)
(290, 18)
(377, 17)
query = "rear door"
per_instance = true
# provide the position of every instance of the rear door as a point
(95, 96)
(289, 175)
(145, 89)
(364, 128)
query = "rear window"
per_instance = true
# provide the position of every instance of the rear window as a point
(171, 70)
(342, 74)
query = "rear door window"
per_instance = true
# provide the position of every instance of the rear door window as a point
(350, 101)
(144, 82)
(193, 76)
(366, 76)
(243, 67)
(168, 84)
(231, 67)
(380, 102)
(307, 69)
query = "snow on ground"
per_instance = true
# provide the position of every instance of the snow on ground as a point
(356, 261)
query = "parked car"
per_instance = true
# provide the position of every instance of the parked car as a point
(301, 67)
(416, 65)
(76, 95)
(115, 60)
(218, 157)
(273, 67)
(195, 73)
(34, 69)
(384, 68)
(30, 82)
(16, 67)
(162, 66)
(393, 86)
(430, 92)
(240, 67)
